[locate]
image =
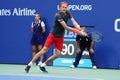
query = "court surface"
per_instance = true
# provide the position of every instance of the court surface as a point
(16, 72)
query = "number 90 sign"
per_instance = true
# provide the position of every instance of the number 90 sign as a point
(69, 49)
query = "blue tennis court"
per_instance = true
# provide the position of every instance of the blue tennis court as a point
(18, 77)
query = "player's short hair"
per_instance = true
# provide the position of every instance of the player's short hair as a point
(63, 2)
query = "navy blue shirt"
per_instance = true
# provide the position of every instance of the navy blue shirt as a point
(84, 41)
(58, 29)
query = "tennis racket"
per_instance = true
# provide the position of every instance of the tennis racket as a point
(96, 36)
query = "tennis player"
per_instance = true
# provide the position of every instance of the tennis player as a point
(56, 36)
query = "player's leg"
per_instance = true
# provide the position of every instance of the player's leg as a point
(40, 43)
(40, 53)
(41, 57)
(34, 50)
(58, 44)
(53, 57)
(58, 48)
(50, 59)
(46, 47)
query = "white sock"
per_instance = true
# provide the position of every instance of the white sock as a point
(43, 65)
(39, 63)
(30, 64)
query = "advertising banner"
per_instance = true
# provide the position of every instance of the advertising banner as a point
(16, 17)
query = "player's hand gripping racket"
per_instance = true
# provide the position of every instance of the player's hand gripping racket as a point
(81, 32)
(96, 36)
(78, 27)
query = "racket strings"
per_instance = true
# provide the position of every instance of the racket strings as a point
(96, 36)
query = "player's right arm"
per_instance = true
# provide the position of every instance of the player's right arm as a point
(59, 18)
(76, 25)
(72, 29)
(65, 26)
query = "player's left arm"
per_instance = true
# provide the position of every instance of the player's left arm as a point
(76, 25)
